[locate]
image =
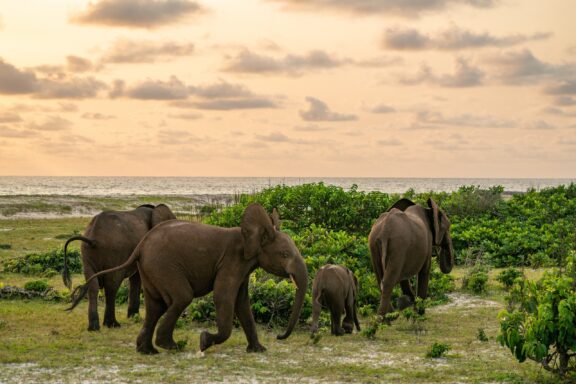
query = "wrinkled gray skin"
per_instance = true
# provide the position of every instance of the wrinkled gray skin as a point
(401, 243)
(108, 241)
(180, 260)
(336, 288)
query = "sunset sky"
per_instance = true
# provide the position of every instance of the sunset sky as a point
(388, 88)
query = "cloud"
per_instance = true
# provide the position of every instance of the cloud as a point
(465, 75)
(78, 64)
(174, 137)
(248, 62)
(522, 67)
(186, 116)
(319, 111)
(382, 108)
(14, 81)
(410, 8)
(133, 51)
(558, 112)
(7, 132)
(275, 137)
(230, 104)
(220, 90)
(311, 128)
(565, 101)
(10, 117)
(97, 116)
(464, 120)
(567, 87)
(52, 123)
(73, 88)
(390, 142)
(539, 125)
(173, 89)
(137, 13)
(451, 39)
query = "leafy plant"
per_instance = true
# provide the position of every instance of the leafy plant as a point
(508, 276)
(40, 263)
(476, 280)
(481, 335)
(5, 246)
(437, 350)
(37, 286)
(541, 322)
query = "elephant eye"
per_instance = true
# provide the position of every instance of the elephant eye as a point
(284, 254)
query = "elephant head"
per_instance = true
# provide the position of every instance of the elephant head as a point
(158, 214)
(441, 236)
(276, 253)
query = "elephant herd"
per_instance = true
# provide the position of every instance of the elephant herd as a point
(175, 261)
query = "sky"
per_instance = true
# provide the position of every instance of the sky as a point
(288, 88)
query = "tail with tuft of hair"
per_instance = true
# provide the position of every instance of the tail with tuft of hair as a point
(65, 272)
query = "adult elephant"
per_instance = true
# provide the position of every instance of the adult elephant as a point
(108, 241)
(180, 260)
(401, 244)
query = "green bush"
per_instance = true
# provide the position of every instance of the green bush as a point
(37, 286)
(540, 323)
(476, 280)
(508, 276)
(481, 335)
(202, 309)
(42, 263)
(5, 246)
(437, 350)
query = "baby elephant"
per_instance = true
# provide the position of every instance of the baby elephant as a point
(335, 287)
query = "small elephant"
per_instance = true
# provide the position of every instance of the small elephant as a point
(108, 241)
(401, 244)
(335, 287)
(180, 260)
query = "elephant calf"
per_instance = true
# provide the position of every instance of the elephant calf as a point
(335, 287)
(108, 241)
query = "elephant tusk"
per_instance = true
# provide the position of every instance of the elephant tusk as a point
(293, 281)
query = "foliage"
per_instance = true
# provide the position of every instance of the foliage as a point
(481, 335)
(5, 246)
(37, 286)
(508, 276)
(437, 350)
(202, 309)
(44, 263)
(476, 280)
(540, 323)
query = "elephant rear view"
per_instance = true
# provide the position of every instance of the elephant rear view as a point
(108, 241)
(336, 288)
(401, 244)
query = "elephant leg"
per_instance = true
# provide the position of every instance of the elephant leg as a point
(356, 317)
(246, 318)
(111, 285)
(93, 289)
(224, 298)
(316, 309)
(386, 287)
(165, 333)
(155, 308)
(408, 298)
(335, 315)
(134, 298)
(348, 322)
(423, 279)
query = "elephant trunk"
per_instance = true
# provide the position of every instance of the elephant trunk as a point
(299, 275)
(446, 255)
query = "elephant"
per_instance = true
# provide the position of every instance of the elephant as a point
(401, 245)
(180, 260)
(108, 241)
(335, 287)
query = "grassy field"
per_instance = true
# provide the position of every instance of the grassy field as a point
(40, 342)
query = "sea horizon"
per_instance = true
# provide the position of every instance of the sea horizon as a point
(221, 185)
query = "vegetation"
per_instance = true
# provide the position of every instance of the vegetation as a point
(508, 276)
(437, 350)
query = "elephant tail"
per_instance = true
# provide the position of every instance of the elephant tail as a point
(80, 291)
(378, 252)
(66, 278)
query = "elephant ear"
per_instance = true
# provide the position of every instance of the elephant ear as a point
(161, 213)
(257, 229)
(275, 217)
(402, 204)
(438, 229)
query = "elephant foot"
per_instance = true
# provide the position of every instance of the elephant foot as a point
(256, 348)
(133, 313)
(404, 302)
(205, 341)
(338, 332)
(147, 350)
(112, 324)
(93, 328)
(167, 344)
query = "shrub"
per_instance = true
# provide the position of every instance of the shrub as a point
(508, 276)
(540, 323)
(437, 350)
(481, 335)
(5, 246)
(37, 286)
(476, 280)
(39, 263)
(202, 309)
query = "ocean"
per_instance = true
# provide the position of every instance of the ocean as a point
(189, 186)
